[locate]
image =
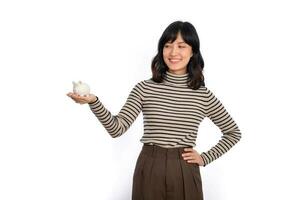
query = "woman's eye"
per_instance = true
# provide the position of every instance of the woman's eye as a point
(181, 46)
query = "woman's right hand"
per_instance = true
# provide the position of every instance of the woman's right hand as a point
(82, 99)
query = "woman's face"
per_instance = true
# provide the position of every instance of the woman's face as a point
(177, 55)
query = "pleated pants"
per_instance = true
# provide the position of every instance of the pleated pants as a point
(162, 174)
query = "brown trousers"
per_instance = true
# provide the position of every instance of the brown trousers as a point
(162, 174)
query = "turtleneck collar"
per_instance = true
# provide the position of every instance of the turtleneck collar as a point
(176, 79)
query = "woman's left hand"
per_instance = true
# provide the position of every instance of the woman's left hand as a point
(192, 156)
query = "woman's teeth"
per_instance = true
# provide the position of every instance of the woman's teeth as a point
(174, 60)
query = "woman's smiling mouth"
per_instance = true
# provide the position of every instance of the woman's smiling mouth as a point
(174, 60)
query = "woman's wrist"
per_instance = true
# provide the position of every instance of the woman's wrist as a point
(93, 100)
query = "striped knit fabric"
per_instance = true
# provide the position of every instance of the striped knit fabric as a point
(172, 113)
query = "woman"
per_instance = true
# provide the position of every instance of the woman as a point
(174, 102)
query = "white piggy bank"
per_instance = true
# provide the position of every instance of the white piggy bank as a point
(81, 88)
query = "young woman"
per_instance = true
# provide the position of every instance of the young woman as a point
(174, 102)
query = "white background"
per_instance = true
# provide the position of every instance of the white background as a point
(53, 148)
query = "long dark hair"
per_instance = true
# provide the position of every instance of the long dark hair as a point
(196, 63)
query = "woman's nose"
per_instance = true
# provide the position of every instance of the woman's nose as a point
(173, 51)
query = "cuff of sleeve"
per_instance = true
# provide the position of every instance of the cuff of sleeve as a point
(94, 101)
(204, 158)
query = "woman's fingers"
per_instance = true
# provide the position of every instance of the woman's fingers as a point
(192, 156)
(187, 154)
(188, 158)
(77, 98)
(82, 99)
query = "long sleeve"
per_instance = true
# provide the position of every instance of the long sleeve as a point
(221, 118)
(118, 124)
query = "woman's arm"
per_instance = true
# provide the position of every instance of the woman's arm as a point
(118, 124)
(221, 118)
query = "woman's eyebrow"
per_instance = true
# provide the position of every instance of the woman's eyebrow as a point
(177, 42)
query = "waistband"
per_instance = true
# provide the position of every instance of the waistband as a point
(157, 151)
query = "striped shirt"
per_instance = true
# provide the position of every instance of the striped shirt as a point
(172, 113)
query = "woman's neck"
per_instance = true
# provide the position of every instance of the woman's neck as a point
(176, 79)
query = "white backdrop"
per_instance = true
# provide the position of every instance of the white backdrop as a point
(53, 148)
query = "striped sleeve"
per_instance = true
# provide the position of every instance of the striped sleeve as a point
(231, 133)
(118, 124)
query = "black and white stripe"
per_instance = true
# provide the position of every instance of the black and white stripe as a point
(172, 113)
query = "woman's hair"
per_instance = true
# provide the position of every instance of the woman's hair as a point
(196, 63)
